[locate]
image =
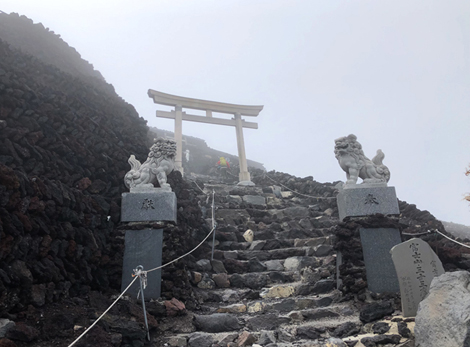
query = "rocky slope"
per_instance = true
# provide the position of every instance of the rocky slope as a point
(63, 153)
(65, 137)
(278, 290)
(36, 40)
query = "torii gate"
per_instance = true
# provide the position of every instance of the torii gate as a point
(179, 116)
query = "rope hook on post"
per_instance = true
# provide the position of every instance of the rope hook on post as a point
(139, 271)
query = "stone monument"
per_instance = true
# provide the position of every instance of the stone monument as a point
(416, 265)
(367, 198)
(147, 203)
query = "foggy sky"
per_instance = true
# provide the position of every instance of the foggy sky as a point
(395, 73)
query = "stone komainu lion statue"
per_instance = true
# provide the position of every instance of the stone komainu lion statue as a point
(351, 158)
(159, 164)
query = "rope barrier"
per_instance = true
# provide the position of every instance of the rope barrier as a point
(138, 275)
(447, 237)
(96, 321)
(418, 234)
(308, 196)
(437, 231)
(197, 185)
(142, 275)
(199, 245)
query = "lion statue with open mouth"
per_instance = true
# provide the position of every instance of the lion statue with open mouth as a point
(352, 160)
(159, 164)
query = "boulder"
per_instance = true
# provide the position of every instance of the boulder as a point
(254, 200)
(268, 321)
(346, 329)
(308, 332)
(442, 318)
(221, 280)
(298, 263)
(274, 265)
(256, 265)
(218, 266)
(296, 212)
(174, 307)
(23, 332)
(204, 265)
(266, 337)
(246, 339)
(216, 323)
(382, 340)
(380, 328)
(200, 340)
(375, 310)
(5, 325)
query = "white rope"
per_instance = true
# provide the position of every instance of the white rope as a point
(96, 321)
(447, 237)
(197, 185)
(184, 255)
(418, 234)
(308, 196)
(437, 231)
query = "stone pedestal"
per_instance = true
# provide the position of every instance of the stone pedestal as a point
(143, 247)
(148, 205)
(380, 271)
(361, 200)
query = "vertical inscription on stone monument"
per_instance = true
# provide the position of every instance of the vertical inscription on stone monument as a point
(420, 274)
(416, 265)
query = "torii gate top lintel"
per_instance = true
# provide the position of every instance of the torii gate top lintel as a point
(199, 104)
(180, 102)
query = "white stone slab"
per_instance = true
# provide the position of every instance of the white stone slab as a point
(416, 265)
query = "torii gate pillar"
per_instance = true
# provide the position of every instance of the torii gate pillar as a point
(209, 106)
(179, 138)
(244, 175)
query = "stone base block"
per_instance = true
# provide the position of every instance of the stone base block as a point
(380, 271)
(143, 247)
(148, 206)
(367, 201)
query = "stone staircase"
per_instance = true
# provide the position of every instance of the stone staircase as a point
(279, 289)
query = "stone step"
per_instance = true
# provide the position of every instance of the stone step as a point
(280, 253)
(261, 338)
(234, 235)
(278, 262)
(280, 305)
(299, 249)
(268, 320)
(258, 281)
(275, 243)
(223, 329)
(273, 291)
